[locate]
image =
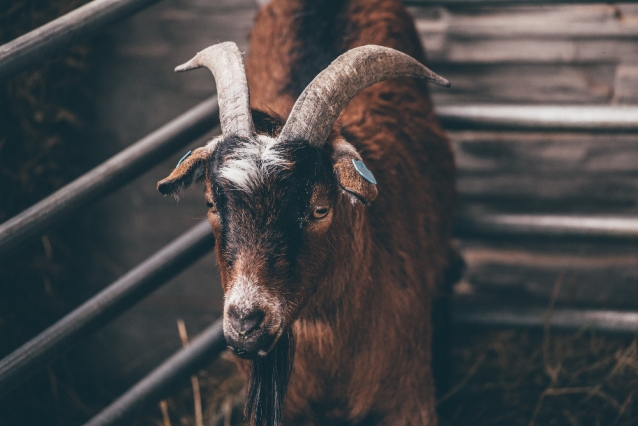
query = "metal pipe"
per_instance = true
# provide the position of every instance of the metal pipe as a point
(547, 226)
(164, 379)
(109, 176)
(105, 306)
(536, 317)
(50, 38)
(588, 118)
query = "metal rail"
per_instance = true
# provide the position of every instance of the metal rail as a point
(164, 379)
(138, 283)
(535, 317)
(51, 38)
(588, 118)
(548, 226)
(541, 117)
(109, 176)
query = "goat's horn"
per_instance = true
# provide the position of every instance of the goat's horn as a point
(225, 62)
(320, 104)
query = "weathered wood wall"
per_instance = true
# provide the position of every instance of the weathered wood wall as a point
(559, 54)
(578, 54)
(534, 54)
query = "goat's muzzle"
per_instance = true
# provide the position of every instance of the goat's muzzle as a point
(250, 334)
(244, 324)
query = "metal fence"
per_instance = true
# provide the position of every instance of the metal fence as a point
(185, 250)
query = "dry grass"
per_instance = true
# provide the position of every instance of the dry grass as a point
(509, 378)
(221, 387)
(526, 378)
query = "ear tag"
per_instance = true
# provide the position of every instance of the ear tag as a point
(184, 158)
(363, 171)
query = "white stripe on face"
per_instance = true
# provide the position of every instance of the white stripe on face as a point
(250, 163)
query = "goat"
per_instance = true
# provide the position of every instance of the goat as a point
(316, 268)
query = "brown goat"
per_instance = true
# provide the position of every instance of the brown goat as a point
(312, 269)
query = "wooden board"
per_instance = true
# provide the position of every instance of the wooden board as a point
(548, 172)
(506, 274)
(576, 53)
(528, 83)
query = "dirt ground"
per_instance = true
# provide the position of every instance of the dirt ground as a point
(508, 377)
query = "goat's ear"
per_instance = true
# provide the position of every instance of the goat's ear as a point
(190, 170)
(353, 176)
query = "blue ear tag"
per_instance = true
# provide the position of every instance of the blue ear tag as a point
(363, 171)
(184, 158)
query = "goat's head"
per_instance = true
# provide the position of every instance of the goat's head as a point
(274, 198)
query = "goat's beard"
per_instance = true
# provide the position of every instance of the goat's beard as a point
(268, 378)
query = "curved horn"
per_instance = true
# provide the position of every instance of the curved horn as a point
(225, 62)
(320, 104)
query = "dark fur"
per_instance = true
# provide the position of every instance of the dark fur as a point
(267, 383)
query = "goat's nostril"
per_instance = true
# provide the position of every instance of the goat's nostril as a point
(245, 323)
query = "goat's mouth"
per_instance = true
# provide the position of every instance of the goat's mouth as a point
(256, 344)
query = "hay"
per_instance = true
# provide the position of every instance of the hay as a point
(222, 390)
(509, 378)
(527, 378)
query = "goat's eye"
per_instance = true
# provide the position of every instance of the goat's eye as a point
(320, 212)
(211, 206)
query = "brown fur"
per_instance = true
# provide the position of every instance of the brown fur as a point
(363, 338)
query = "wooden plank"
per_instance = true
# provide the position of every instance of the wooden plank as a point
(552, 34)
(547, 172)
(626, 85)
(543, 22)
(591, 276)
(524, 50)
(526, 83)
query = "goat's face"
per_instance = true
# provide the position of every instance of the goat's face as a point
(272, 208)
(272, 202)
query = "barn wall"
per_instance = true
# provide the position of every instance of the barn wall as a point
(577, 54)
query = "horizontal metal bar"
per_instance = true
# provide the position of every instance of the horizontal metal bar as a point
(164, 379)
(431, 3)
(549, 226)
(109, 176)
(73, 27)
(106, 305)
(534, 317)
(541, 117)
